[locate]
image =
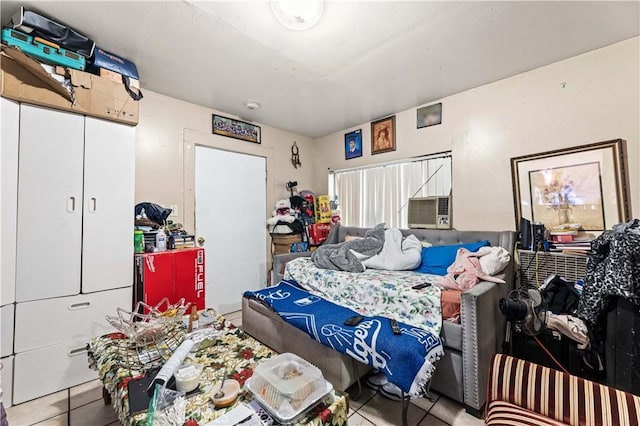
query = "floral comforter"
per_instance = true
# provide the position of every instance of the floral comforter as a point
(234, 352)
(374, 292)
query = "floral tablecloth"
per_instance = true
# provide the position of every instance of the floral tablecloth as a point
(234, 351)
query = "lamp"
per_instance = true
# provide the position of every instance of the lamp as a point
(298, 14)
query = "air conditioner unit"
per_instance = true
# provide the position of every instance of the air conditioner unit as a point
(430, 212)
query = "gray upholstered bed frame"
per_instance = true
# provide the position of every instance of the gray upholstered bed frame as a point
(461, 374)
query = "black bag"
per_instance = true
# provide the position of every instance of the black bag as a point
(154, 212)
(561, 296)
(66, 37)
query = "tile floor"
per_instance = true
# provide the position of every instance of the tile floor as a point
(83, 406)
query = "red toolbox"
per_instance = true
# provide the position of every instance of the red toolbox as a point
(173, 274)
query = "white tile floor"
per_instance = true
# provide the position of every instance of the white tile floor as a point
(79, 406)
(83, 406)
(371, 408)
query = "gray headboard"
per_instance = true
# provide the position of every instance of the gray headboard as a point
(504, 239)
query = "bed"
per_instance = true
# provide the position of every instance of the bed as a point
(469, 345)
(374, 292)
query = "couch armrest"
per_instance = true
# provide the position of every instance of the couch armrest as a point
(482, 332)
(555, 395)
(278, 263)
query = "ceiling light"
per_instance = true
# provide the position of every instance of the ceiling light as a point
(252, 105)
(298, 14)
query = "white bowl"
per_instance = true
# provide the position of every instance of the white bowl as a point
(188, 376)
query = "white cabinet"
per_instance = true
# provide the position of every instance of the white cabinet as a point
(6, 327)
(43, 371)
(7, 381)
(49, 203)
(109, 202)
(67, 242)
(75, 204)
(49, 322)
(10, 113)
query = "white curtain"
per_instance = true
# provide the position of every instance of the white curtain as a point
(379, 194)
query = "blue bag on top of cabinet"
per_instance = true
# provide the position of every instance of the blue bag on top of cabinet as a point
(104, 59)
(37, 25)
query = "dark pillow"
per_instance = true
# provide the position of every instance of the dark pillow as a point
(436, 259)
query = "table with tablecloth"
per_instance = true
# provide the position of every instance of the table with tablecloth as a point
(234, 351)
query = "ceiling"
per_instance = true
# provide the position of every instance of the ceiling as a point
(364, 60)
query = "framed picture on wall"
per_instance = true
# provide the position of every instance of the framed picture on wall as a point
(353, 144)
(383, 135)
(236, 129)
(429, 116)
(585, 185)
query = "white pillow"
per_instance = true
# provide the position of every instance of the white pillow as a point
(493, 260)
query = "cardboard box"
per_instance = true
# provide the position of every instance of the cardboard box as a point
(23, 79)
(282, 243)
(117, 77)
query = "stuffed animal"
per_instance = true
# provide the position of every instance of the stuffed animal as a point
(335, 216)
(282, 213)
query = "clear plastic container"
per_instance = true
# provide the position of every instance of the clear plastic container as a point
(287, 385)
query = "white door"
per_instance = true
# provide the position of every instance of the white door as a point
(9, 189)
(230, 198)
(107, 240)
(49, 203)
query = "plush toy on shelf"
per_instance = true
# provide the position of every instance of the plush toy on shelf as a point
(282, 217)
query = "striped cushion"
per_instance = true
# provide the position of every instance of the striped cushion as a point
(561, 397)
(502, 413)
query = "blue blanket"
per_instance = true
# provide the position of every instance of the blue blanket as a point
(408, 360)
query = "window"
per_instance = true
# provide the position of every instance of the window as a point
(375, 194)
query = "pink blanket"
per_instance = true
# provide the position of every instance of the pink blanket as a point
(466, 271)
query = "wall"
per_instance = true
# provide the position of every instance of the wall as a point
(588, 98)
(163, 174)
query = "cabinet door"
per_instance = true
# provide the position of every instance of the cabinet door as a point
(6, 339)
(7, 381)
(47, 370)
(68, 318)
(49, 204)
(107, 244)
(9, 178)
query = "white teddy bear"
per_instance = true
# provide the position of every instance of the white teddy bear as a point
(282, 213)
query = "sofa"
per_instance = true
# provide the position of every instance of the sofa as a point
(463, 371)
(524, 393)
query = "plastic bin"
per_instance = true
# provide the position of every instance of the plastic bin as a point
(287, 385)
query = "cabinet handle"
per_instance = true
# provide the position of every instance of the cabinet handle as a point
(77, 351)
(71, 204)
(81, 305)
(93, 205)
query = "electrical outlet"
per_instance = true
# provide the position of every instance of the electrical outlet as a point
(174, 210)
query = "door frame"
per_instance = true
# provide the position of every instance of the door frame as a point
(193, 138)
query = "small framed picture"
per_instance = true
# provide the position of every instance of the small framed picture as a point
(383, 135)
(429, 115)
(236, 129)
(353, 144)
